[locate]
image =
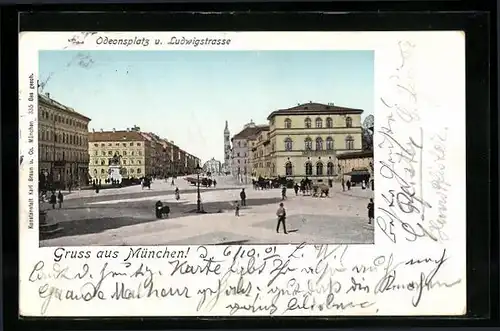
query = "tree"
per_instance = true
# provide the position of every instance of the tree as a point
(367, 135)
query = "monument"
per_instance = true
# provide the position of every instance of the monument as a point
(114, 169)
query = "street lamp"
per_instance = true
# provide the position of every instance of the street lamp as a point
(198, 201)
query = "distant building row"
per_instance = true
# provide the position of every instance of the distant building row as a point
(311, 140)
(69, 153)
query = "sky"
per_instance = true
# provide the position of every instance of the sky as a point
(186, 96)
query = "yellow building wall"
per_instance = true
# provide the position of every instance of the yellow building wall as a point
(298, 132)
(298, 121)
(133, 158)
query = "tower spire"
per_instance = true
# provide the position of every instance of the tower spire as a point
(226, 128)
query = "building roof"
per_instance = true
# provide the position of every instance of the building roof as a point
(250, 131)
(355, 155)
(314, 108)
(45, 98)
(116, 136)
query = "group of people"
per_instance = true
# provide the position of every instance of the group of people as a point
(54, 199)
(364, 184)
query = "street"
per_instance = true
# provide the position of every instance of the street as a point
(125, 216)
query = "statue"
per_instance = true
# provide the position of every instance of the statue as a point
(115, 160)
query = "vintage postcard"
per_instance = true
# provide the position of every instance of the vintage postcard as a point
(242, 173)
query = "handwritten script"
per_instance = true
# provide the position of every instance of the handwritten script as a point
(405, 212)
(241, 280)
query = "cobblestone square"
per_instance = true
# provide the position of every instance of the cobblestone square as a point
(126, 217)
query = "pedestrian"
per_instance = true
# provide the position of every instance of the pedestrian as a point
(236, 208)
(281, 213)
(53, 200)
(172, 183)
(296, 189)
(363, 185)
(348, 183)
(373, 184)
(343, 184)
(283, 192)
(158, 208)
(243, 197)
(60, 199)
(371, 211)
(215, 183)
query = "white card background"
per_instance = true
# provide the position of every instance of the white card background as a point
(416, 267)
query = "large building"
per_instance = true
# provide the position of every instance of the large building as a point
(213, 166)
(241, 159)
(140, 154)
(63, 156)
(261, 153)
(131, 147)
(305, 140)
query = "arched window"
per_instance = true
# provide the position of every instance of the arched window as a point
(348, 122)
(308, 144)
(102, 171)
(309, 169)
(288, 123)
(329, 169)
(288, 169)
(319, 168)
(329, 122)
(288, 144)
(319, 123)
(319, 144)
(138, 170)
(329, 143)
(349, 142)
(307, 123)
(95, 172)
(103, 162)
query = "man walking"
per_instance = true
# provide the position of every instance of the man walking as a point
(343, 184)
(281, 213)
(53, 200)
(283, 192)
(60, 199)
(243, 197)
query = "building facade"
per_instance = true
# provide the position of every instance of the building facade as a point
(261, 154)
(131, 147)
(63, 155)
(213, 166)
(305, 140)
(241, 158)
(356, 160)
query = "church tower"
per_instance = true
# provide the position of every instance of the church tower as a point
(227, 149)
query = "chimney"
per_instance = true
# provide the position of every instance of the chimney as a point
(114, 130)
(47, 94)
(128, 129)
(102, 130)
(310, 102)
(93, 130)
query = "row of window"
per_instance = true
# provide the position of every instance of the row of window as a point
(63, 120)
(65, 138)
(110, 153)
(308, 143)
(117, 144)
(47, 153)
(124, 161)
(330, 169)
(124, 171)
(318, 122)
